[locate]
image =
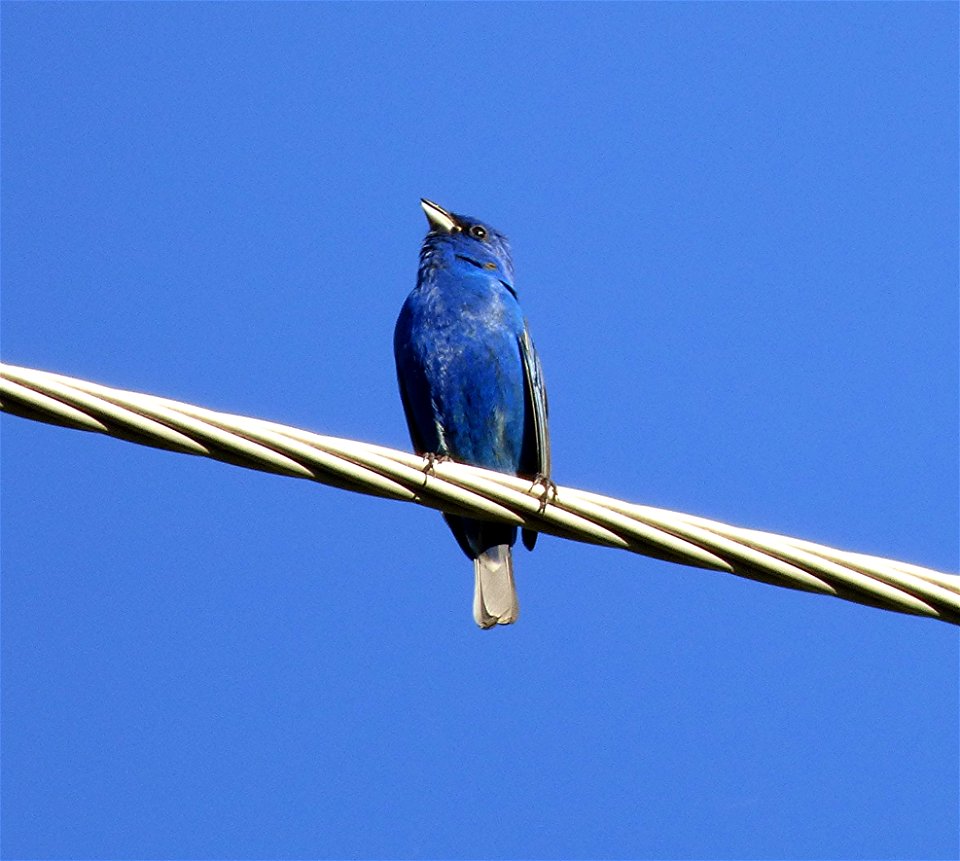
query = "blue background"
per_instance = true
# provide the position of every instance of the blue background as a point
(735, 232)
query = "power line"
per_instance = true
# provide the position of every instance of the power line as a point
(459, 489)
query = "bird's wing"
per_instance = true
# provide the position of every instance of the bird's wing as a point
(535, 452)
(414, 394)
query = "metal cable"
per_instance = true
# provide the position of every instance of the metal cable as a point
(460, 489)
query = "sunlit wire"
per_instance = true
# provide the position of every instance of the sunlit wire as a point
(452, 487)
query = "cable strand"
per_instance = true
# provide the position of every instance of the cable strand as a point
(469, 491)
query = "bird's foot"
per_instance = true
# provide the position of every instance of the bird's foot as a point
(431, 459)
(547, 491)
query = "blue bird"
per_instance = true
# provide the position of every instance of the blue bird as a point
(471, 385)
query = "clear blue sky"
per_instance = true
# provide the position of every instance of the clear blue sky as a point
(735, 233)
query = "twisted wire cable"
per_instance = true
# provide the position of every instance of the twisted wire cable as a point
(459, 489)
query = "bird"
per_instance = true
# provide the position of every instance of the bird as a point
(472, 386)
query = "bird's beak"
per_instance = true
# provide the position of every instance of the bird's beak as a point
(438, 217)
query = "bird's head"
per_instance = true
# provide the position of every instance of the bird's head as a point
(469, 240)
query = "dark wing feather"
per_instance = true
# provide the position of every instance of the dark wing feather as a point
(416, 437)
(535, 451)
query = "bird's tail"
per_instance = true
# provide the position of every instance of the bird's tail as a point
(494, 595)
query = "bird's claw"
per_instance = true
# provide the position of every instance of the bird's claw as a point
(431, 459)
(548, 491)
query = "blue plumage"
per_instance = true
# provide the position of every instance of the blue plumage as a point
(471, 383)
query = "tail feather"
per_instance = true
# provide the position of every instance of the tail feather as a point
(495, 595)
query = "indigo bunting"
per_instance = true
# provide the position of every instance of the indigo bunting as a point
(471, 385)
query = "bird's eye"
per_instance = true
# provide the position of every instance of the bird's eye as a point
(477, 232)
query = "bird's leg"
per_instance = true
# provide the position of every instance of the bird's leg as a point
(548, 492)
